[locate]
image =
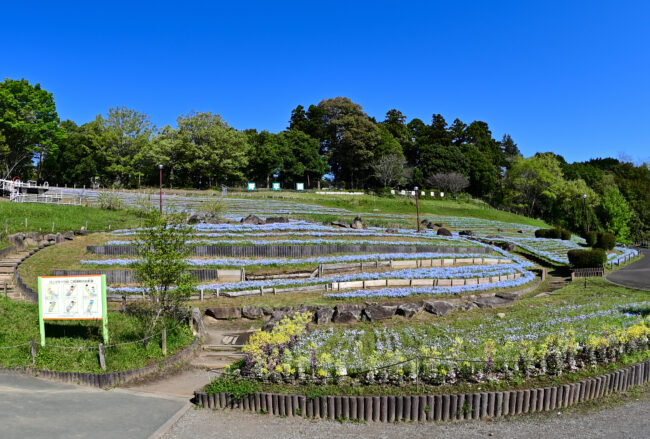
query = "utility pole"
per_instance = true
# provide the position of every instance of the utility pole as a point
(417, 207)
(160, 168)
(584, 197)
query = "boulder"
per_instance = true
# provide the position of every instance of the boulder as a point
(466, 306)
(438, 224)
(466, 233)
(507, 246)
(252, 220)
(276, 219)
(68, 235)
(438, 307)
(34, 236)
(379, 312)
(500, 230)
(391, 230)
(267, 310)
(357, 224)
(443, 232)
(81, 232)
(196, 218)
(425, 223)
(509, 295)
(17, 240)
(520, 231)
(346, 313)
(251, 312)
(431, 226)
(50, 237)
(224, 312)
(491, 302)
(324, 315)
(339, 223)
(58, 238)
(408, 310)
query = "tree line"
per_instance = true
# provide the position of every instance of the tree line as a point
(333, 142)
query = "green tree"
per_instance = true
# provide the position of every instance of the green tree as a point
(29, 127)
(617, 213)
(265, 156)
(534, 182)
(302, 161)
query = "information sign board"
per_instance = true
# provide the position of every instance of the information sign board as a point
(276, 186)
(300, 186)
(251, 186)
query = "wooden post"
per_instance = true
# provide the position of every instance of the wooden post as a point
(6, 294)
(25, 223)
(164, 341)
(123, 303)
(52, 226)
(201, 294)
(86, 226)
(102, 356)
(32, 346)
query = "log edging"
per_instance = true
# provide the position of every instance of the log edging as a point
(437, 408)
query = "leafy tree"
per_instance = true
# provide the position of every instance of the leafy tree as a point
(617, 213)
(29, 127)
(162, 269)
(509, 150)
(533, 181)
(301, 159)
(265, 156)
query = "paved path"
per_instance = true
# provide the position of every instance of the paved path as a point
(636, 275)
(627, 421)
(34, 408)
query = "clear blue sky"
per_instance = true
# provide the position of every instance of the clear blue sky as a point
(571, 77)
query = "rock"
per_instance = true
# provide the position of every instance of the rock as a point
(431, 226)
(340, 224)
(17, 240)
(520, 231)
(443, 232)
(408, 310)
(324, 315)
(59, 238)
(357, 224)
(438, 224)
(276, 219)
(251, 312)
(466, 306)
(499, 230)
(253, 220)
(50, 237)
(80, 232)
(34, 236)
(425, 223)
(346, 313)
(510, 295)
(501, 315)
(196, 218)
(68, 235)
(507, 246)
(391, 230)
(466, 233)
(438, 307)
(267, 310)
(224, 312)
(491, 302)
(379, 312)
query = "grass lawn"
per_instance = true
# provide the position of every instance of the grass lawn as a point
(72, 345)
(41, 216)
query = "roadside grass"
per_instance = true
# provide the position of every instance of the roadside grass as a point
(72, 345)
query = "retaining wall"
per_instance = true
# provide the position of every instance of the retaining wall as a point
(291, 251)
(422, 408)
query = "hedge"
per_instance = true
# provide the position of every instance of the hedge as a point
(605, 241)
(556, 233)
(587, 258)
(591, 238)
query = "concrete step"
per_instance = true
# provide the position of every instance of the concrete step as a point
(223, 355)
(209, 365)
(222, 347)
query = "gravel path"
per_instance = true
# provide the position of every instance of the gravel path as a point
(628, 420)
(636, 275)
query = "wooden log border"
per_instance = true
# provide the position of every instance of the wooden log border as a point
(111, 379)
(292, 251)
(436, 408)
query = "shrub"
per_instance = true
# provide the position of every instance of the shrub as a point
(587, 258)
(605, 241)
(591, 238)
(235, 387)
(109, 201)
(556, 233)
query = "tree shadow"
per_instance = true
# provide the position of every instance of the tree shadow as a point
(73, 330)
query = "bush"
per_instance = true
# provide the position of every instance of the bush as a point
(605, 241)
(235, 387)
(556, 233)
(594, 258)
(591, 238)
(109, 201)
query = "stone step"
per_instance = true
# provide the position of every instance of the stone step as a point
(222, 355)
(209, 364)
(222, 347)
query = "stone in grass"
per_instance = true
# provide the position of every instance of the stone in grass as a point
(50, 237)
(466, 306)
(357, 224)
(491, 302)
(323, 315)
(466, 233)
(501, 315)
(277, 219)
(510, 295)
(431, 226)
(59, 238)
(252, 220)
(340, 224)
(507, 246)
(391, 230)
(69, 235)
(443, 232)
(17, 240)
(252, 312)
(438, 224)
(438, 307)
(224, 312)
(379, 312)
(346, 313)
(408, 310)
(81, 232)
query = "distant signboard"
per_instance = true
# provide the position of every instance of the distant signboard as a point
(300, 186)
(251, 186)
(72, 298)
(276, 186)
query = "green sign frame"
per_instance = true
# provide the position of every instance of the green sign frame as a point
(69, 283)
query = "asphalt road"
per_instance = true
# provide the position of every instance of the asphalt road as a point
(34, 408)
(636, 275)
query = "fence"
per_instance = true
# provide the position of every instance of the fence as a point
(644, 243)
(587, 272)
(128, 276)
(291, 251)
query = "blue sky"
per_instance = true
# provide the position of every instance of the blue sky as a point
(570, 77)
